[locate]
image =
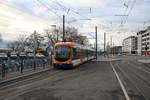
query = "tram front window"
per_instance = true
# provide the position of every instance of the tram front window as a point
(62, 53)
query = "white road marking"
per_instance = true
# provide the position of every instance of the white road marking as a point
(120, 82)
(132, 82)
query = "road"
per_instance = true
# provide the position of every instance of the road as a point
(94, 80)
(135, 76)
(91, 81)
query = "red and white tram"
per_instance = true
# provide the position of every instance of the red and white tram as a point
(70, 55)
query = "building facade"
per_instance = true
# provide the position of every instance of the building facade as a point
(116, 50)
(129, 45)
(144, 41)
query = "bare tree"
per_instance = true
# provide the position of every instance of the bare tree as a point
(71, 34)
(18, 45)
(0, 37)
(30, 40)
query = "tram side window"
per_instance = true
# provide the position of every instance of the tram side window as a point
(83, 53)
(74, 53)
(78, 55)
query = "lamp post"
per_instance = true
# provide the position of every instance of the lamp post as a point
(63, 28)
(104, 43)
(35, 47)
(96, 40)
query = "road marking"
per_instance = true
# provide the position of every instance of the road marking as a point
(129, 78)
(139, 68)
(120, 82)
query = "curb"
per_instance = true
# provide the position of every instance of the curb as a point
(115, 59)
(22, 77)
(144, 61)
(108, 60)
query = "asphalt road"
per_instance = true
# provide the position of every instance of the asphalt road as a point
(91, 81)
(135, 76)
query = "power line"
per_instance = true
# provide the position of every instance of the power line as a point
(49, 9)
(129, 12)
(68, 9)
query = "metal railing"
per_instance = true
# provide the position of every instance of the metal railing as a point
(22, 63)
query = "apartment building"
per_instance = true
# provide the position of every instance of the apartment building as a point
(143, 41)
(129, 45)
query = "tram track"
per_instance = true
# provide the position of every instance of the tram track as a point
(134, 61)
(134, 80)
(132, 83)
(53, 77)
(141, 73)
(140, 65)
(120, 82)
(27, 79)
(22, 87)
(140, 68)
(18, 84)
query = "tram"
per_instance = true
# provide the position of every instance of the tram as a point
(70, 55)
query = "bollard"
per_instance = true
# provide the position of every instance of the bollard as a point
(18, 58)
(3, 70)
(22, 67)
(51, 58)
(44, 62)
(34, 65)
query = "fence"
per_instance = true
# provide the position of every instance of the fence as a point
(20, 64)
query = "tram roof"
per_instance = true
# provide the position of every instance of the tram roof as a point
(73, 44)
(65, 43)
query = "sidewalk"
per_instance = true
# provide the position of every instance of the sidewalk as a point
(145, 61)
(26, 72)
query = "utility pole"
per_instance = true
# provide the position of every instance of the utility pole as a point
(104, 42)
(63, 28)
(111, 44)
(57, 35)
(96, 40)
(113, 48)
(34, 65)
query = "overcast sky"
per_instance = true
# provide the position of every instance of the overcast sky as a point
(25, 16)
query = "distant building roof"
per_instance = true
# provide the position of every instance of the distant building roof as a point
(143, 31)
(129, 37)
(140, 32)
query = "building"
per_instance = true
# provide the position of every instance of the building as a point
(116, 50)
(144, 41)
(108, 48)
(130, 45)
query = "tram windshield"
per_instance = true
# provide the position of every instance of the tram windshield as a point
(62, 53)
